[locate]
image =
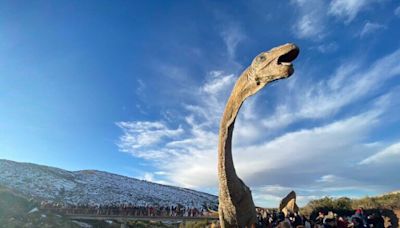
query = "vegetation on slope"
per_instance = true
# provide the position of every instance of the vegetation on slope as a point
(14, 212)
(346, 205)
(388, 201)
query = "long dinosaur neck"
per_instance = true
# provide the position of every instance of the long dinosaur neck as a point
(236, 206)
(226, 169)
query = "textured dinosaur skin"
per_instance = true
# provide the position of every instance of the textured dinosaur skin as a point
(236, 206)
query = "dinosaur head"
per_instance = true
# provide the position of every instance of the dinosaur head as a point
(274, 64)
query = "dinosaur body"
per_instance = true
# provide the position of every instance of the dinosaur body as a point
(236, 206)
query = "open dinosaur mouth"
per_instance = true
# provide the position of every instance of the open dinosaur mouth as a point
(286, 59)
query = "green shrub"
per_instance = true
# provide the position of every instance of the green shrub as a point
(346, 205)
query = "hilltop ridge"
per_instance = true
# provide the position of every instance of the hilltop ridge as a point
(93, 187)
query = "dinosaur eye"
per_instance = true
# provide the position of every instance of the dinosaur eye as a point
(261, 58)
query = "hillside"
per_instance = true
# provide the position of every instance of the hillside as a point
(93, 187)
(390, 201)
(16, 211)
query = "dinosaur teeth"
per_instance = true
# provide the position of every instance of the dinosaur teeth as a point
(286, 63)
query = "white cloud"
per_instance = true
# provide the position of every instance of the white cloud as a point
(307, 27)
(316, 157)
(350, 83)
(390, 154)
(187, 144)
(315, 147)
(218, 82)
(313, 16)
(232, 35)
(139, 136)
(327, 185)
(148, 177)
(348, 9)
(371, 27)
(311, 21)
(212, 96)
(151, 178)
(176, 73)
(271, 195)
(141, 87)
(327, 178)
(302, 149)
(397, 11)
(327, 48)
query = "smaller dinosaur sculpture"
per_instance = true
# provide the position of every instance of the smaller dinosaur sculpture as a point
(288, 204)
(236, 206)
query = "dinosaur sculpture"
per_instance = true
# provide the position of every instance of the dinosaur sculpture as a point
(236, 206)
(288, 204)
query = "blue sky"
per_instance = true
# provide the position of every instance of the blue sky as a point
(138, 89)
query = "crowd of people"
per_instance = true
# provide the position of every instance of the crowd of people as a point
(265, 217)
(125, 210)
(359, 219)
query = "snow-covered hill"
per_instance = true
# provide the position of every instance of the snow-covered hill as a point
(93, 187)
